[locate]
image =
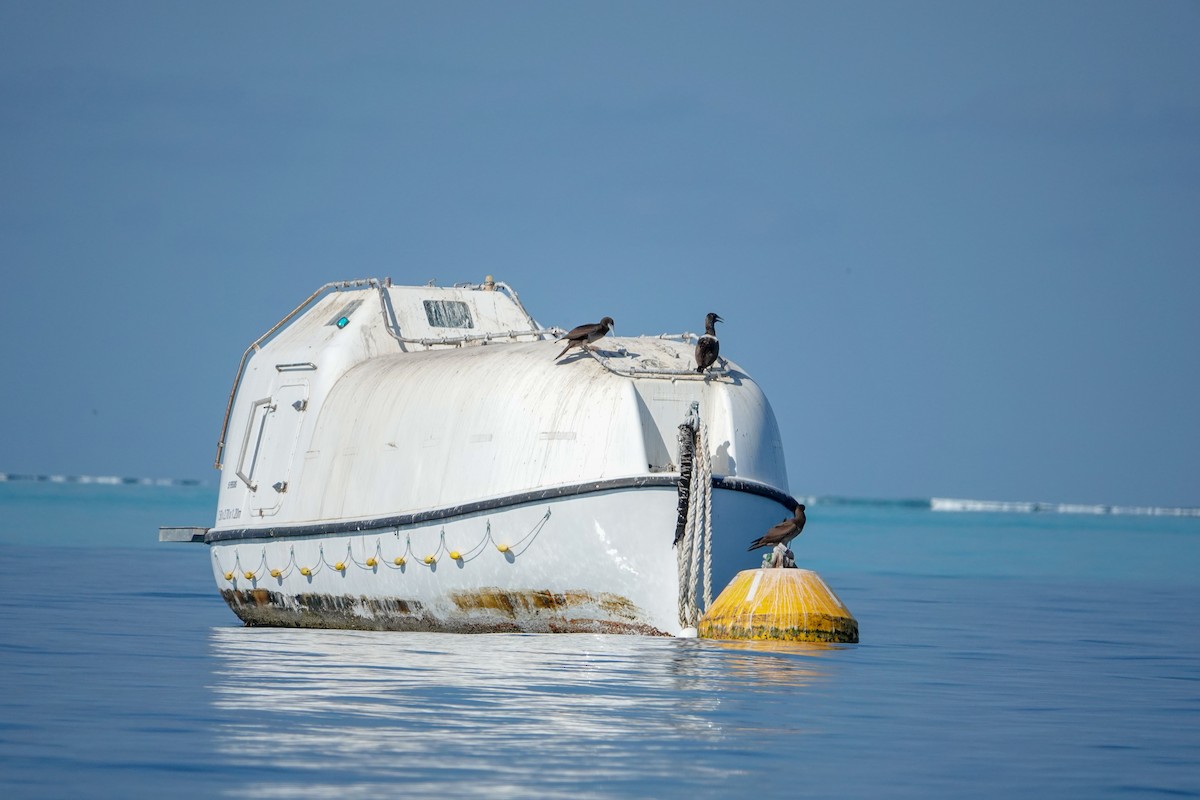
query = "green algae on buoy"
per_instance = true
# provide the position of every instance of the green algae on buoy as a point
(782, 604)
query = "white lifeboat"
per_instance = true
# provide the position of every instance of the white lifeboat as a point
(417, 458)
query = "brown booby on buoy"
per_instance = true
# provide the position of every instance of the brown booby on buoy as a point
(782, 533)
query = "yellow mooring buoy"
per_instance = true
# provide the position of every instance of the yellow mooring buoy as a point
(774, 603)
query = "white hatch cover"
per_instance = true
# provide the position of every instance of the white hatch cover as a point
(272, 433)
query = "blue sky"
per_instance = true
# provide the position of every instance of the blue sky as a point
(956, 243)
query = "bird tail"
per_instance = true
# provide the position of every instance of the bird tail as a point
(757, 543)
(564, 350)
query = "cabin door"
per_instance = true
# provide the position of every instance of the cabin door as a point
(272, 446)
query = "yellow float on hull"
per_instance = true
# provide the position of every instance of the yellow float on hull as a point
(781, 604)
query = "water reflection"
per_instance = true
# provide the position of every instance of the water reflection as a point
(361, 713)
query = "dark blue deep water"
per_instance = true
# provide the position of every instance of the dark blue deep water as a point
(1002, 655)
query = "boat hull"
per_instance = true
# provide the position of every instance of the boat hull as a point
(596, 562)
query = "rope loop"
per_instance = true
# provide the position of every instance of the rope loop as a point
(693, 535)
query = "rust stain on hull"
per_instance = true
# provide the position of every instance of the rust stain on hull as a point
(511, 603)
(489, 610)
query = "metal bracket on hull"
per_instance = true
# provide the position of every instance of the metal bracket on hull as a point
(181, 534)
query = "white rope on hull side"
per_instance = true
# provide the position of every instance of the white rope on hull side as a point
(696, 543)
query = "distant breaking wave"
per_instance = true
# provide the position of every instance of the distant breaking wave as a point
(1001, 506)
(106, 480)
(948, 504)
(931, 504)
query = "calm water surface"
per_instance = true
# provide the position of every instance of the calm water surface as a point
(1001, 655)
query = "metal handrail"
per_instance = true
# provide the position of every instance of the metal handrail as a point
(491, 285)
(482, 337)
(512, 293)
(393, 329)
(266, 401)
(673, 374)
(389, 314)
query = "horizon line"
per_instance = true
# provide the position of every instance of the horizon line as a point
(939, 504)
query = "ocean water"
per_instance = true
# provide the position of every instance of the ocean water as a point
(1002, 654)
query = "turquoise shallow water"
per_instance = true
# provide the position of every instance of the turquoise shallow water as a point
(1002, 655)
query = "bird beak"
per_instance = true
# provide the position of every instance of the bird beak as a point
(718, 318)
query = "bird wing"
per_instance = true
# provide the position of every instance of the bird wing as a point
(583, 331)
(782, 530)
(774, 536)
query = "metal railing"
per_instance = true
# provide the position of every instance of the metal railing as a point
(660, 372)
(393, 328)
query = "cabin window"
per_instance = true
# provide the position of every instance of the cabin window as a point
(448, 314)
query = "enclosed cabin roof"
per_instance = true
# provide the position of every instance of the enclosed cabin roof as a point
(345, 322)
(408, 318)
(390, 400)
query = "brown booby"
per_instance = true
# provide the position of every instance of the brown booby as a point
(782, 533)
(707, 347)
(584, 335)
